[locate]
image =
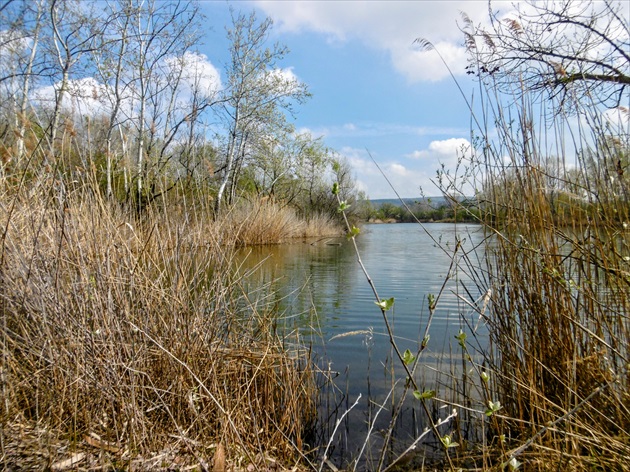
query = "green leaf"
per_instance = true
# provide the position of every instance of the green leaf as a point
(343, 206)
(493, 407)
(461, 338)
(408, 357)
(448, 442)
(513, 464)
(426, 395)
(335, 188)
(354, 231)
(431, 299)
(386, 304)
(425, 341)
(484, 376)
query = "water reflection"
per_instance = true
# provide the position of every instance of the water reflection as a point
(320, 289)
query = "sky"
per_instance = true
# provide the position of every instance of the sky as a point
(398, 114)
(374, 93)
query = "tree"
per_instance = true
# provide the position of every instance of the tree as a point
(18, 56)
(156, 84)
(74, 33)
(109, 62)
(144, 68)
(569, 49)
(257, 92)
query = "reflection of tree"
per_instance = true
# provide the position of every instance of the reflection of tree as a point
(300, 281)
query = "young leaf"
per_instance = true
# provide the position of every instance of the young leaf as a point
(426, 395)
(448, 442)
(408, 357)
(461, 338)
(343, 206)
(335, 188)
(513, 464)
(386, 304)
(493, 407)
(354, 231)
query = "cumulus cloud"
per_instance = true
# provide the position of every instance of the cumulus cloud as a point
(89, 97)
(445, 151)
(388, 26)
(198, 72)
(285, 74)
(377, 129)
(84, 96)
(286, 78)
(407, 177)
(406, 180)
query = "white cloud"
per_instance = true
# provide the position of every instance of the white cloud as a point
(84, 96)
(391, 26)
(88, 97)
(443, 151)
(200, 73)
(378, 129)
(285, 78)
(405, 180)
(398, 169)
(285, 74)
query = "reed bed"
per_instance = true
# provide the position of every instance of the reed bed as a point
(127, 343)
(269, 222)
(556, 275)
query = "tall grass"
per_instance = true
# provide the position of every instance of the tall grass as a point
(556, 209)
(269, 222)
(128, 343)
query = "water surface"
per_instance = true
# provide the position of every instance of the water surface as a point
(321, 290)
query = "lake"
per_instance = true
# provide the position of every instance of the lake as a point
(320, 289)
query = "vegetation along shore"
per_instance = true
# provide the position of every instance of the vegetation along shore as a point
(129, 338)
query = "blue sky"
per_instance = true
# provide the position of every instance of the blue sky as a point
(372, 89)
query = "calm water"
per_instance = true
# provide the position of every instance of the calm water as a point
(322, 291)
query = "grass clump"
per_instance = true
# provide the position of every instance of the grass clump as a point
(268, 222)
(554, 203)
(128, 342)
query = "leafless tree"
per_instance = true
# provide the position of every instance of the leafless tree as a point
(18, 60)
(74, 33)
(566, 48)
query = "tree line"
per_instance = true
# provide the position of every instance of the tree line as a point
(120, 89)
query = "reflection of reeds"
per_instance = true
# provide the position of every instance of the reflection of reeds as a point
(135, 335)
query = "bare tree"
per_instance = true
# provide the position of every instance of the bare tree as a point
(110, 65)
(156, 32)
(567, 48)
(74, 33)
(18, 59)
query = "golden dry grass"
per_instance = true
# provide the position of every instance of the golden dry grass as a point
(130, 342)
(557, 276)
(268, 222)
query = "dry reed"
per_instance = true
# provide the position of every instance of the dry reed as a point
(559, 283)
(268, 222)
(127, 343)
